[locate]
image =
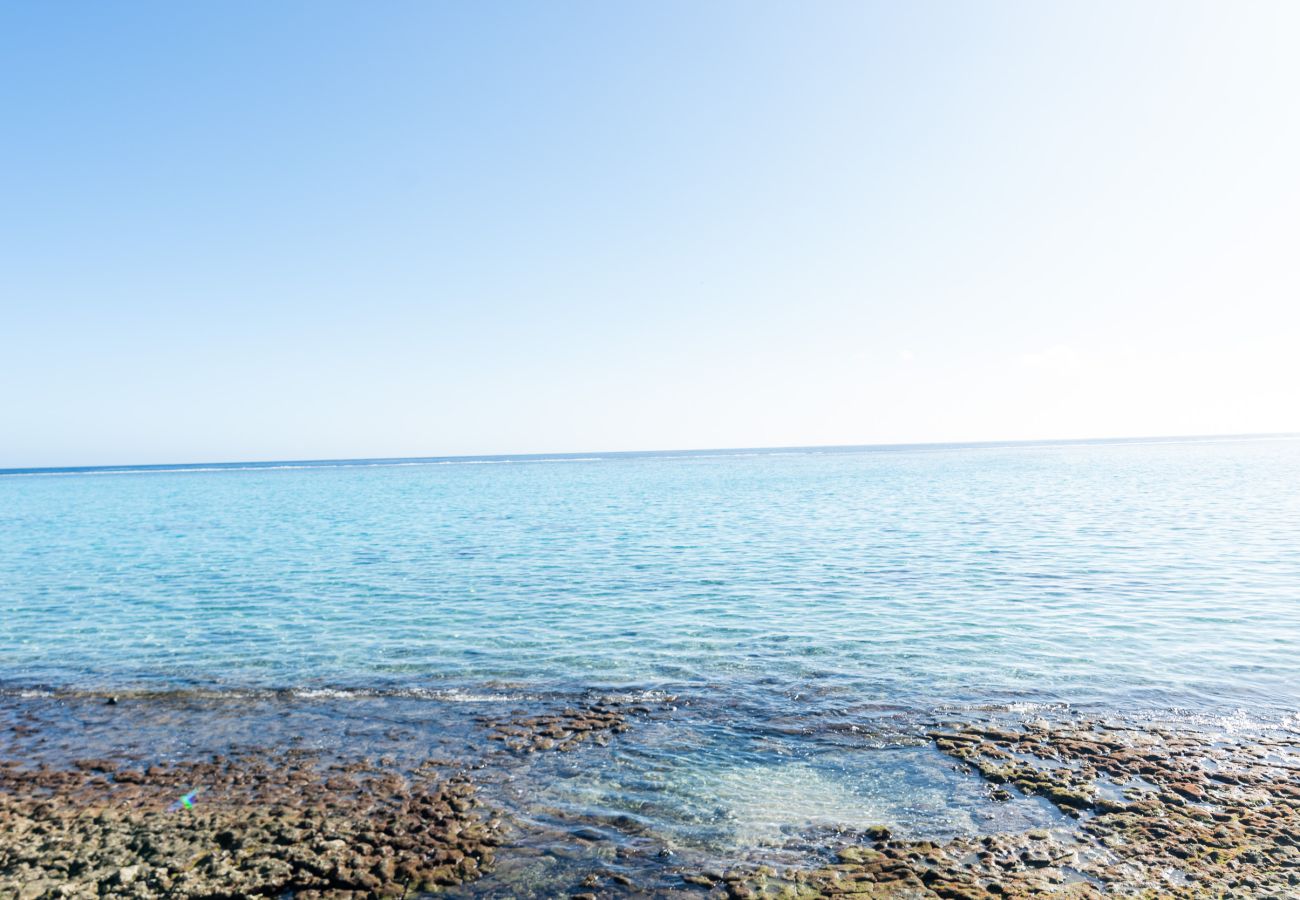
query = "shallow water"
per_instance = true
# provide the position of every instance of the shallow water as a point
(783, 613)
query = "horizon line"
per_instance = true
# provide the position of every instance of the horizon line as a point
(593, 455)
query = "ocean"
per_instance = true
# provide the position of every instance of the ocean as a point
(785, 625)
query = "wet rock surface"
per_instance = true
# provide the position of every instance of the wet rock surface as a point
(327, 822)
(257, 825)
(1144, 810)
(564, 730)
(1161, 813)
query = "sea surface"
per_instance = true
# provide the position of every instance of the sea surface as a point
(792, 620)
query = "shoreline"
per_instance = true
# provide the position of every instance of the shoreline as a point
(1177, 811)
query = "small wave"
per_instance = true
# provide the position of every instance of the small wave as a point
(449, 695)
(653, 695)
(445, 695)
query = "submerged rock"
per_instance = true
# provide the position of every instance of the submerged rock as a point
(1205, 818)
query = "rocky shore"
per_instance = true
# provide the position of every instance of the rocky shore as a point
(244, 827)
(1160, 813)
(1148, 811)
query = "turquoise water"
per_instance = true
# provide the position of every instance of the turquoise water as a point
(1151, 575)
(781, 612)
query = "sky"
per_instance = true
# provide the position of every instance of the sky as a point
(241, 230)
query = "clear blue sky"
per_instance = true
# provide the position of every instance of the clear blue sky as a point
(319, 229)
